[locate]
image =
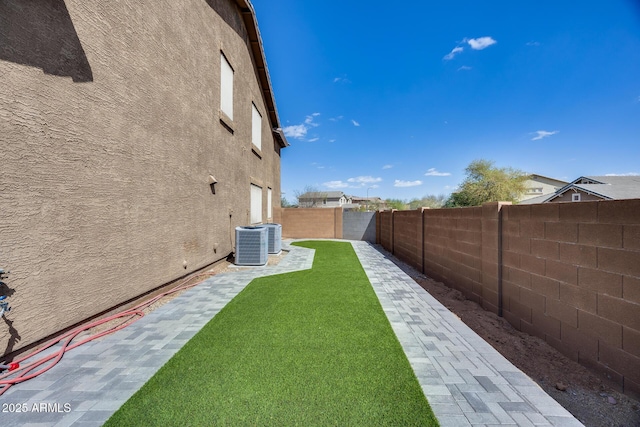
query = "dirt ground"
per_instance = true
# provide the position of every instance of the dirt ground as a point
(588, 398)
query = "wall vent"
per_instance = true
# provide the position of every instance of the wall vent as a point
(275, 237)
(251, 245)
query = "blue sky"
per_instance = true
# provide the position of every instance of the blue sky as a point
(399, 98)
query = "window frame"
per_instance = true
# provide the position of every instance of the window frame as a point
(256, 127)
(255, 204)
(226, 86)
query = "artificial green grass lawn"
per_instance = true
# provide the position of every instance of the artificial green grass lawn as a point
(306, 348)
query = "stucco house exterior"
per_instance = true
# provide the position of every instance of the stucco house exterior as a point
(588, 188)
(135, 136)
(324, 199)
(539, 187)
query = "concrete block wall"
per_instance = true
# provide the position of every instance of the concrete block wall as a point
(567, 272)
(359, 226)
(314, 223)
(326, 223)
(571, 275)
(452, 248)
(407, 237)
(385, 229)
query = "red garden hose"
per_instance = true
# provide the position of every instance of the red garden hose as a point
(17, 371)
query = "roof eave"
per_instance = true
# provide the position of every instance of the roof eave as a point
(577, 187)
(255, 41)
(280, 137)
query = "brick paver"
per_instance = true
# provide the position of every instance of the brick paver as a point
(465, 380)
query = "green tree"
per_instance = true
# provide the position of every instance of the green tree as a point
(285, 203)
(310, 197)
(486, 183)
(429, 201)
(397, 204)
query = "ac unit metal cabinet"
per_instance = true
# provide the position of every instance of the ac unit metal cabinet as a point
(275, 238)
(251, 245)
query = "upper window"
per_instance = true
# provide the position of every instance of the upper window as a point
(226, 87)
(575, 197)
(256, 127)
(256, 204)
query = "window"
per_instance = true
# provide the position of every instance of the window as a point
(256, 127)
(269, 206)
(256, 204)
(575, 197)
(226, 87)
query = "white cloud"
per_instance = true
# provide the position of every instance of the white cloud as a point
(464, 68)
(332, 140)
(400, 183)
(300, 131)
(335, 184)
(295, 131)
(387, 166)
(533, 43)
(363, 180)
(456, 50)
(343, 79)
(335, 119)
(313, 139)
(543, 134)
(434, 172)
(481, 43)
(309, 119)
(623, 174)
(355, 123)
(357, 182)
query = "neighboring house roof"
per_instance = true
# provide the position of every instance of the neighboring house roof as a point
(539, 186)
(366, 199)
(606, 187)
(255, 43)
(351, 206)
(322, 194)
(535, 200)
(547, 180)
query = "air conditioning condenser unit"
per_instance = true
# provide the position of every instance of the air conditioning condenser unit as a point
(275, 237)
(251, 245)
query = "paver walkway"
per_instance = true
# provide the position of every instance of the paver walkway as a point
(465, 380)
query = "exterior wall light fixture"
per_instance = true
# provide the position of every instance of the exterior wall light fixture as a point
(212, 183)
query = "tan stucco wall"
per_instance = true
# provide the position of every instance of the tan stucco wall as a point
(109, 130)
(548, 187)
